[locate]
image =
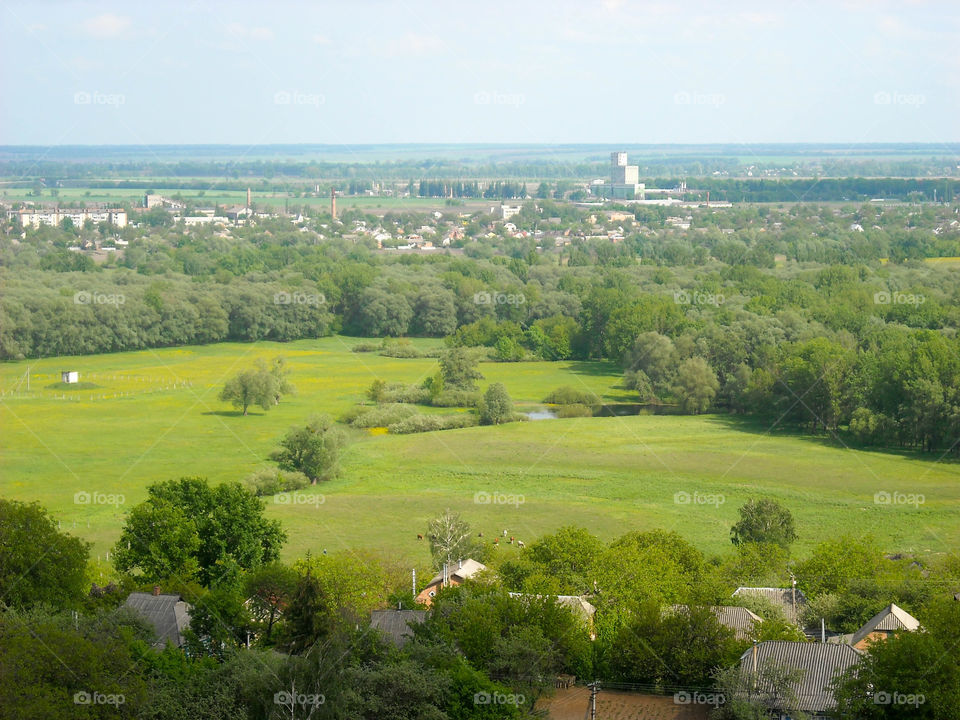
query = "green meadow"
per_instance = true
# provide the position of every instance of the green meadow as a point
(142, 417)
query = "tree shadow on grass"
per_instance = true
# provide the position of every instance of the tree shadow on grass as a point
(762, 426)
(232, 413)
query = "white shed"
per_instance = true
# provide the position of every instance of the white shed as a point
(70, 376)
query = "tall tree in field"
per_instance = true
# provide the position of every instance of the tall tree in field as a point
(459, 368)
(450, 538)
(257, 386)
(764, 521)
(496, 406)
(313, 449)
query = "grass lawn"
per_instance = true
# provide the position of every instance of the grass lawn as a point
(154, 415)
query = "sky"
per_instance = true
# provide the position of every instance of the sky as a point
(545, 71)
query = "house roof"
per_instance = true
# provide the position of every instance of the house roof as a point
(820, 663)
(782, 597)
(168, 614)
(465, 569)
(889, 619)
(739, 619)
(396, 624)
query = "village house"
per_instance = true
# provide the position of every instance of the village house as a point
(169, 615)
(817, 665)
(885, 623)
(397, 625)
(449, 577)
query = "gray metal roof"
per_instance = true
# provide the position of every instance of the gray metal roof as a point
(168, 614)
(891, 618)
(820, 663)
(739, 619)
(396, 624)
(791, 600)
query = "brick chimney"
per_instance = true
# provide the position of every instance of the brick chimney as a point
(156, 590)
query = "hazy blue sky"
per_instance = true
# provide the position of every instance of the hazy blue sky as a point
(360, 71)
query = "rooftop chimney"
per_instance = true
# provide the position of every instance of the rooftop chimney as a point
(156, 590)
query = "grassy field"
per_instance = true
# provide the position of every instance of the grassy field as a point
(154, 415)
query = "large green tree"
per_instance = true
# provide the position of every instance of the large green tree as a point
(313, 449)
(38, 563)
(764, 521)
(186, 527)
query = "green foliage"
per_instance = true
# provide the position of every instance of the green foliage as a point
(54, 663)
(680, 646)
(419, 423)
(496, 407)
(567, 395)
(262, 386)
(313, 449)
(450, 539)
(186, 527)
(39, 565)
(910, 675)
(459, 368)
(270, 481)
(574, 410)
(379, 416)
(764, 521)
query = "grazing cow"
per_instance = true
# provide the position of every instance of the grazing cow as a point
(419, 536)
(496, 541)
(520, 543)
(504, 533)
(510, 540)
(480, 534)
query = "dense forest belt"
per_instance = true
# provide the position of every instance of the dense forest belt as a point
(828, 352)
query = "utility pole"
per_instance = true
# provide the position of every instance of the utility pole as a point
(594, 686)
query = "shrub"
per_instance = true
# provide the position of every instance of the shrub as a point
(365, 347)
(270, 481)
(567, 395)
(574, 410)
(456, 398)
(400, 393)
(382, 415)
(403, 348)
(429, 423)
